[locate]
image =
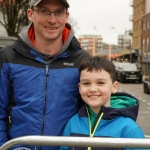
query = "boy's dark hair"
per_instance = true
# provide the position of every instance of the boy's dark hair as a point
(98, 63)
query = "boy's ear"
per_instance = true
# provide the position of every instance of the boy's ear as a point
(78, 85)
(115, 87)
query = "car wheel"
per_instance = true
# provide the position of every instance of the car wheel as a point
(121, 79)
(146, 90)
(117, 77)
(140, 81)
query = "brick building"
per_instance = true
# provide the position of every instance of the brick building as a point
(91, 43)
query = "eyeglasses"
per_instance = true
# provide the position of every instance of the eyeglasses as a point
(46, 13)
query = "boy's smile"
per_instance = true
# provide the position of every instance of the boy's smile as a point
(96, 87)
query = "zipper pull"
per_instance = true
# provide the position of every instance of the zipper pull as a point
(47, 73)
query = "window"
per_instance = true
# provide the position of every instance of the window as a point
(85, 48)
(139, 25)
(143, 45)
(142, 6)
(148, 25)
(147, 45)
(136, 41)
(144, 28)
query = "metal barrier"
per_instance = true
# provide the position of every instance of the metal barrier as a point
(78, 141)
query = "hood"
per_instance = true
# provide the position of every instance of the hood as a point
(25, 38)
(121, 104)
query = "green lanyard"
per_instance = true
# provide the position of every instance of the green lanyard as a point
(92, 134)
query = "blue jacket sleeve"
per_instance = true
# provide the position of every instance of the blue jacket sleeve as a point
(66, 133)
(4, 101)
(135, 133)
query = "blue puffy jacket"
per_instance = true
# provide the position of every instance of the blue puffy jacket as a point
(36, 98)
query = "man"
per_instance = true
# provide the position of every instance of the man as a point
(39, 75)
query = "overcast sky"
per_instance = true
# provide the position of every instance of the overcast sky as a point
(103, 14)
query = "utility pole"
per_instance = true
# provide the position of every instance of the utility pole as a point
(94, 44)
(110, 48)
(94, 41)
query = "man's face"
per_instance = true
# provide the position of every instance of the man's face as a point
(96, 87)
(48, 27)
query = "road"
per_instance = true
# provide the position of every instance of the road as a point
(136, 90)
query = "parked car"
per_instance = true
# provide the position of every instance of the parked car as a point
(129, 72)
(6, 40)
(117, 64)
(146, 85)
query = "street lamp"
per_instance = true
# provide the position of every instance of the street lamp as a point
(112, 28)
(94, 45)
(94, 41)
(127, 44)
(110, 51)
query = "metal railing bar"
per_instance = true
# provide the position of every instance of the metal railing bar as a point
(78, 141)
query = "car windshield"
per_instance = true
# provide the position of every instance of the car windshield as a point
(117, 64)
(127, 66)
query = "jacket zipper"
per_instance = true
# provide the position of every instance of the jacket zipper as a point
(46, 85)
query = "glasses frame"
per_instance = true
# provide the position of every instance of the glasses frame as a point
(48, 15)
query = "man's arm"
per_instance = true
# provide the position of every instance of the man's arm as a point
(4, 101)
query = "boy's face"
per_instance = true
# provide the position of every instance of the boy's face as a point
(96, 87)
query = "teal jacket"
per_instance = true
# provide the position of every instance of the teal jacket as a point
(116, 121)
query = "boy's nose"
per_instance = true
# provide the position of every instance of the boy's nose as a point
(93, 89)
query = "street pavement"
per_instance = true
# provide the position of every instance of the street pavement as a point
(143, 119)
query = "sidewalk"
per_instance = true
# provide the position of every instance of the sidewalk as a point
(143, 119)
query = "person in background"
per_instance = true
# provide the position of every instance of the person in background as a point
(106, 113)
(39, 75)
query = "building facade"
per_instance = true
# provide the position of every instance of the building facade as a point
(146, 39)
(141, 32)
(125, 40)
(91, 43)
(138, 11)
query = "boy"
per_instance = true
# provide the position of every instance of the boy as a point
(106, 112)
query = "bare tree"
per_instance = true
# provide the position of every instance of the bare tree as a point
(14, 15)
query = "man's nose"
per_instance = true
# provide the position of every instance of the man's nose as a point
(52, 18)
